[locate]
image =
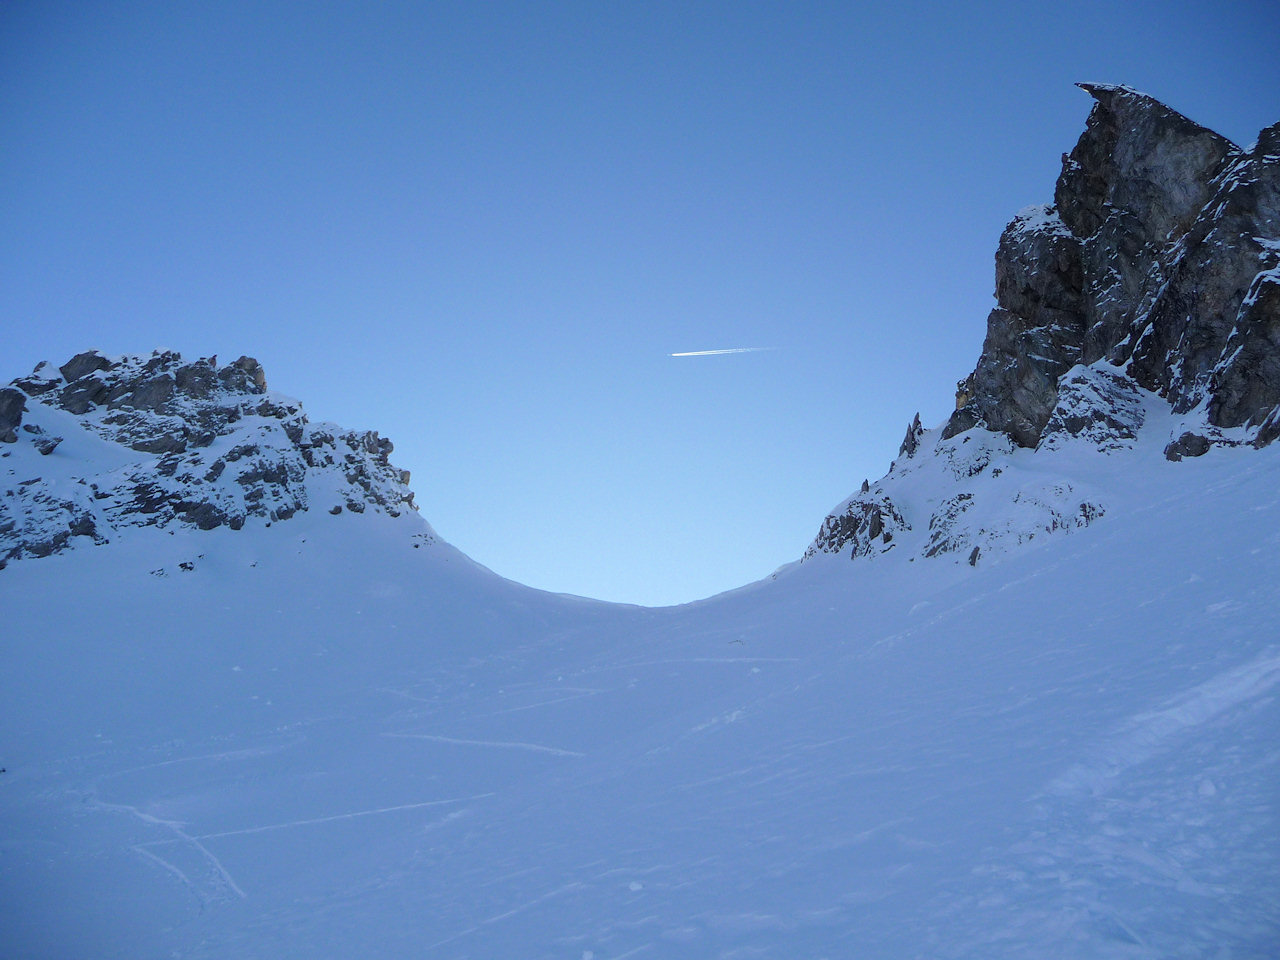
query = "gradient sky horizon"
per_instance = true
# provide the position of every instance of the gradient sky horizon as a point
(484, 229)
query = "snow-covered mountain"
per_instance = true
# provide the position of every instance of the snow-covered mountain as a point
(158, 442)
(253, 707)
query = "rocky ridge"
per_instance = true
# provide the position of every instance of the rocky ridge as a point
(1145, 300)
(103, 444)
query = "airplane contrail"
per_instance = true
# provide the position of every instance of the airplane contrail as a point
(717, 353)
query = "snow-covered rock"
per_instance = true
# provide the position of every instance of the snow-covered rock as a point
(107, 444)
(977, 494)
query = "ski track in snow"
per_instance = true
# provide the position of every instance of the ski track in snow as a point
(501, 744)
(338, 816)
(628, 665)
(497, 918)
(539, 704)
(226, 755)
(1138, 825)
(224, 879)
(166, 865)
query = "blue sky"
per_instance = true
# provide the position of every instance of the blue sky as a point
(481, 229)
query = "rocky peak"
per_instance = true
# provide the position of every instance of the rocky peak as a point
(1145, 298)
(912, 440)
(1158, 256)
(157, 441)
(1141, 160)
(155, 404)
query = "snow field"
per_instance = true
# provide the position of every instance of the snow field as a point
(321, 741)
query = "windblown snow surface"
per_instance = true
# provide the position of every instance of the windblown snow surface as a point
(338, 737)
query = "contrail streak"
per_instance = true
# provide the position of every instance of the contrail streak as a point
(716, 353)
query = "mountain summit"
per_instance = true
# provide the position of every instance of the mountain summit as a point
(1142, 305)
(1160, 256)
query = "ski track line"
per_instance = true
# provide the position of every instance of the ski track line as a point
(224, 755)
(507, 744)
(339, 816)
(137, 848)
(181, 836)
(632, 664)
(509, 913)
(541, 703)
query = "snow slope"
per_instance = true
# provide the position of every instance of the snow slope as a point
(336, 736)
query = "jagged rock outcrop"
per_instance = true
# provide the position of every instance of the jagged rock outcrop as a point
(166, 441)
(1147, 293)
(1033, 336)
(1160, 255)
(979, 491)
(866, 525)
(1187, 445)
(1245, 384)
(912, 440)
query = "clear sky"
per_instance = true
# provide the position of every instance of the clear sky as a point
(482, 228)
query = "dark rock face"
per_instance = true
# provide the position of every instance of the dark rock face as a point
(911, 442)
(1246, 383)
(1138, 159)
(1156, 270)
(209, 446)
(12, 405)
(1033, 336)
(1161, 255)
(83, 364)
(1187, 445)
(1215, 292)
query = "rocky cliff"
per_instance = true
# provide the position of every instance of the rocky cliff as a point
(1160, 255)
(103, 444)
(1144, 300)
